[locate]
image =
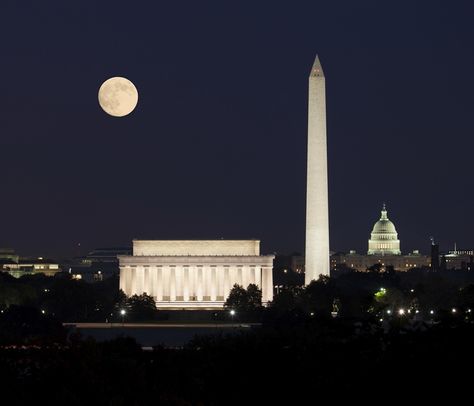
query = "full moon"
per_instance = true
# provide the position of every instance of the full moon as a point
(118, 96)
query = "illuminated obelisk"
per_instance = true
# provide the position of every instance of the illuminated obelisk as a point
(317, 210)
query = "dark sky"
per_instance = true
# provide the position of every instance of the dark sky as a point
(217, 145)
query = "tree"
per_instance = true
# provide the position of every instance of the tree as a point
(254, 297)
(318, 296)
(141, 307)
(247, 302)
(237, 299)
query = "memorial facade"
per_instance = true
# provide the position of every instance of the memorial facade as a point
(194, 274)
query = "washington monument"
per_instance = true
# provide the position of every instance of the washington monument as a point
(317, 210)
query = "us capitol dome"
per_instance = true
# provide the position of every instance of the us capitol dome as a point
(384, 237)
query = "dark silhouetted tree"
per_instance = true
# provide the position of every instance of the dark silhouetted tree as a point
(141, 307)
(246, 302)
(237, 298)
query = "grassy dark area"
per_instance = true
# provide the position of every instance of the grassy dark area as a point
(300, 355)
(268, 366)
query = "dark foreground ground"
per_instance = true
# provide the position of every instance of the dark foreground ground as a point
(167, 335)
(310, 362)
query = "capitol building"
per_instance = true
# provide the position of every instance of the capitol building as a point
(383, 249)
(384, 237)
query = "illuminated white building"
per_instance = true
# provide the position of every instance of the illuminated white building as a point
(384, 237)
(17, 266)
(384, 251)
(194, 274)
(361, 262)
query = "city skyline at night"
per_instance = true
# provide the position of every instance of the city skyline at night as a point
(216, 147)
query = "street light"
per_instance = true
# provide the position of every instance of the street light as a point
(122, 313)
(232, 314)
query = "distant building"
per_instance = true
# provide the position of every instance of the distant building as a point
(194, 274)
(8, 254)
(97, 265)
(459, 259)
(362, 263)
(383, 251)
(18, 266)
(106, 255)
(384, 237)
(288, 270)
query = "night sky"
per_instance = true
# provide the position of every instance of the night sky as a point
(217, 144)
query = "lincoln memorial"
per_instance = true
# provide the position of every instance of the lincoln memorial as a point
(194, 274)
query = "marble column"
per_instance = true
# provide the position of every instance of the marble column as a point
(126, 280)
(172, 283)
(258, 277)
(133, 284)
(214, 283)
(220, 273)
(147, 286)
(227, 285)
(179, 272)
(192, 283)
(140, 275)
(206, 282)
(199, 283)
(267, 284)
(186, 283)
(166, 282)
(159, 283)
(245, 276)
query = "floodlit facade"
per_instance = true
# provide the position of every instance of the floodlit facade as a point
(361, 262)
(17, 266)
(384, 251)
(194, 274)
(384, 237)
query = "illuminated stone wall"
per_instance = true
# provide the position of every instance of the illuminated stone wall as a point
(196, 247)
(361, 262)
(186, 278)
